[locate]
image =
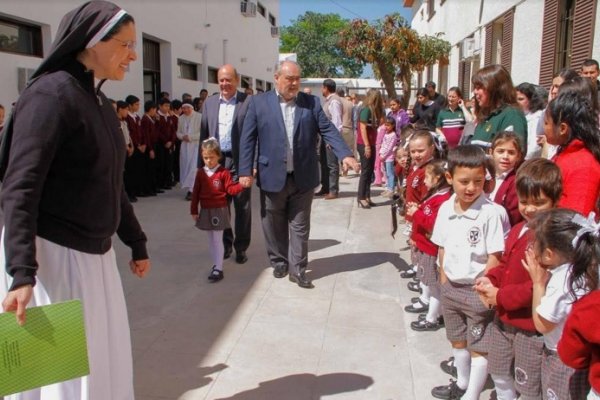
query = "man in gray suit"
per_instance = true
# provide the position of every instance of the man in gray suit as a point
(222, 118)
(282, 125)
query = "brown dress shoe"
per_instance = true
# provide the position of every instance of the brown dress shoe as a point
(331, 196)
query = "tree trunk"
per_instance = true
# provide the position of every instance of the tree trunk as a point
(388, 79)
(405, 79)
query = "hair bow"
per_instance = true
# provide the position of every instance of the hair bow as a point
(588, 225)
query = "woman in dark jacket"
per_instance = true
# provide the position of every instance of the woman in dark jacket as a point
(62, 158)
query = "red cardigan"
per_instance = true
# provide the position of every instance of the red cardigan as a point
(513, 281)
(579, 346)
(580, 178)
(415, 187)
(424, 219)
(211, 192)
(507, 197)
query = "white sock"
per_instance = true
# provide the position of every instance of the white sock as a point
(426, 294)
(435, 308)
(462, 362)
(415, 268)
(505, 387)
(215, 243)
(477, 378)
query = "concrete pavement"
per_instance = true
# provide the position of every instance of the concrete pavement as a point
(252, 336)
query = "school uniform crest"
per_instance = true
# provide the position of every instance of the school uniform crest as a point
(551, 395)
(520, 376)
(215, 221)
(427, 210)
(477, 331)
(474, 235)
(415, 182)
(216, 183)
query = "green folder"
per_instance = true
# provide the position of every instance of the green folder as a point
(49, 348)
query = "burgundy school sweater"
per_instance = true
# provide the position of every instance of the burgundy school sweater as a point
(424, 220)
(212, 191)
(507, 197)
(579, 346)
(135, 132)
(149, 130)
(513, 281)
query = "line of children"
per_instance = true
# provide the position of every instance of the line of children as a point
(470, 236)
(424, 216)
(515, 355)
(212, 185)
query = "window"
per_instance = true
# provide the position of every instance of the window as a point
(564, 37)
(20, 38)
(261, 9)
(269, 85)
(212, 75)
(272, 20)
(246, 81)
(260, 84)
(188, 70)
(498, 40)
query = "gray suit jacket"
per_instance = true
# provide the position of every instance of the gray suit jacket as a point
(210, 122)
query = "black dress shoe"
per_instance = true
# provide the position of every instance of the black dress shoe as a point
(301, 280)
(280, 271)
(132, 199)
(188, 196)
(241, 257)
(227, 253)
(321, 193)
(159, 191)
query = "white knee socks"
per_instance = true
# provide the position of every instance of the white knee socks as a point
(462, 362)
(505, 387)
(477, 378)
(215, 243)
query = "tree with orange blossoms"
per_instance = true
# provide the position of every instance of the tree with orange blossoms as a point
(394, 49)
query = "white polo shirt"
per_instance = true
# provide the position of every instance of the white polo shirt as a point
(556, 303)
(468, 238)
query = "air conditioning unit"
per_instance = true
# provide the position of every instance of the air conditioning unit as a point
(23, 75)
(275, 31)
(248, 8)
(468, 48)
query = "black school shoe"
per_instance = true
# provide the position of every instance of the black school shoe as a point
(450, 392)
(414, 287)
(408, 273)
(448, 367)
(425, 326)
(215, 275)
(417, 307)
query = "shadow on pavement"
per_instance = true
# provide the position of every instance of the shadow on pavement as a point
(351, 262)
(305, 387)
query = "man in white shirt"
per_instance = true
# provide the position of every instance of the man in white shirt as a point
(330, 169)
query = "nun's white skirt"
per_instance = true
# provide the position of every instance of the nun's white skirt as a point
(66, 274)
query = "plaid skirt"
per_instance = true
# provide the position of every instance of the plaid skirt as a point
(427, 270)
(213, 219)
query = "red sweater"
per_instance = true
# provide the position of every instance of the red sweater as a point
(580, 178)
(167, 131)
(513, 281)
(149, 131)
(211, 192)
(424, 219)
(134, 131)
(579, 346)
(506, 196)
(415, 187)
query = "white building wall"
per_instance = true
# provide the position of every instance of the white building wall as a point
(207, 32)
(459, 19)
(596, 46)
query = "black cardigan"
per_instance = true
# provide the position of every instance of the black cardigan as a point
(64, 180)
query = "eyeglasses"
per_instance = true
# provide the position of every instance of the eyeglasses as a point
(130, 44)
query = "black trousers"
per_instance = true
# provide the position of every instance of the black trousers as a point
(366, 172)
(238, 237)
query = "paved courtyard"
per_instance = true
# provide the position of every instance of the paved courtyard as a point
(252, 336)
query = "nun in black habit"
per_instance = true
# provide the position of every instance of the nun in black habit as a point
(61, 159)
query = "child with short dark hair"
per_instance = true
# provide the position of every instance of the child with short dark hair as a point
(563, 265)
(470, 236)
(424, 216)
(507, 153)
(515, 355)
(212, 185)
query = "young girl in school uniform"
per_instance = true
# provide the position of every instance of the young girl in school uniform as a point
(507, 154)
(563, 265)
(212, 185)
(423, 217)
(421, 149)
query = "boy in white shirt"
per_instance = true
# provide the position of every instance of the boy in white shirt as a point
(469, 232)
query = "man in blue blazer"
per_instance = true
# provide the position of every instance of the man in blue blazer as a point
(280, 131)
(222, 118)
